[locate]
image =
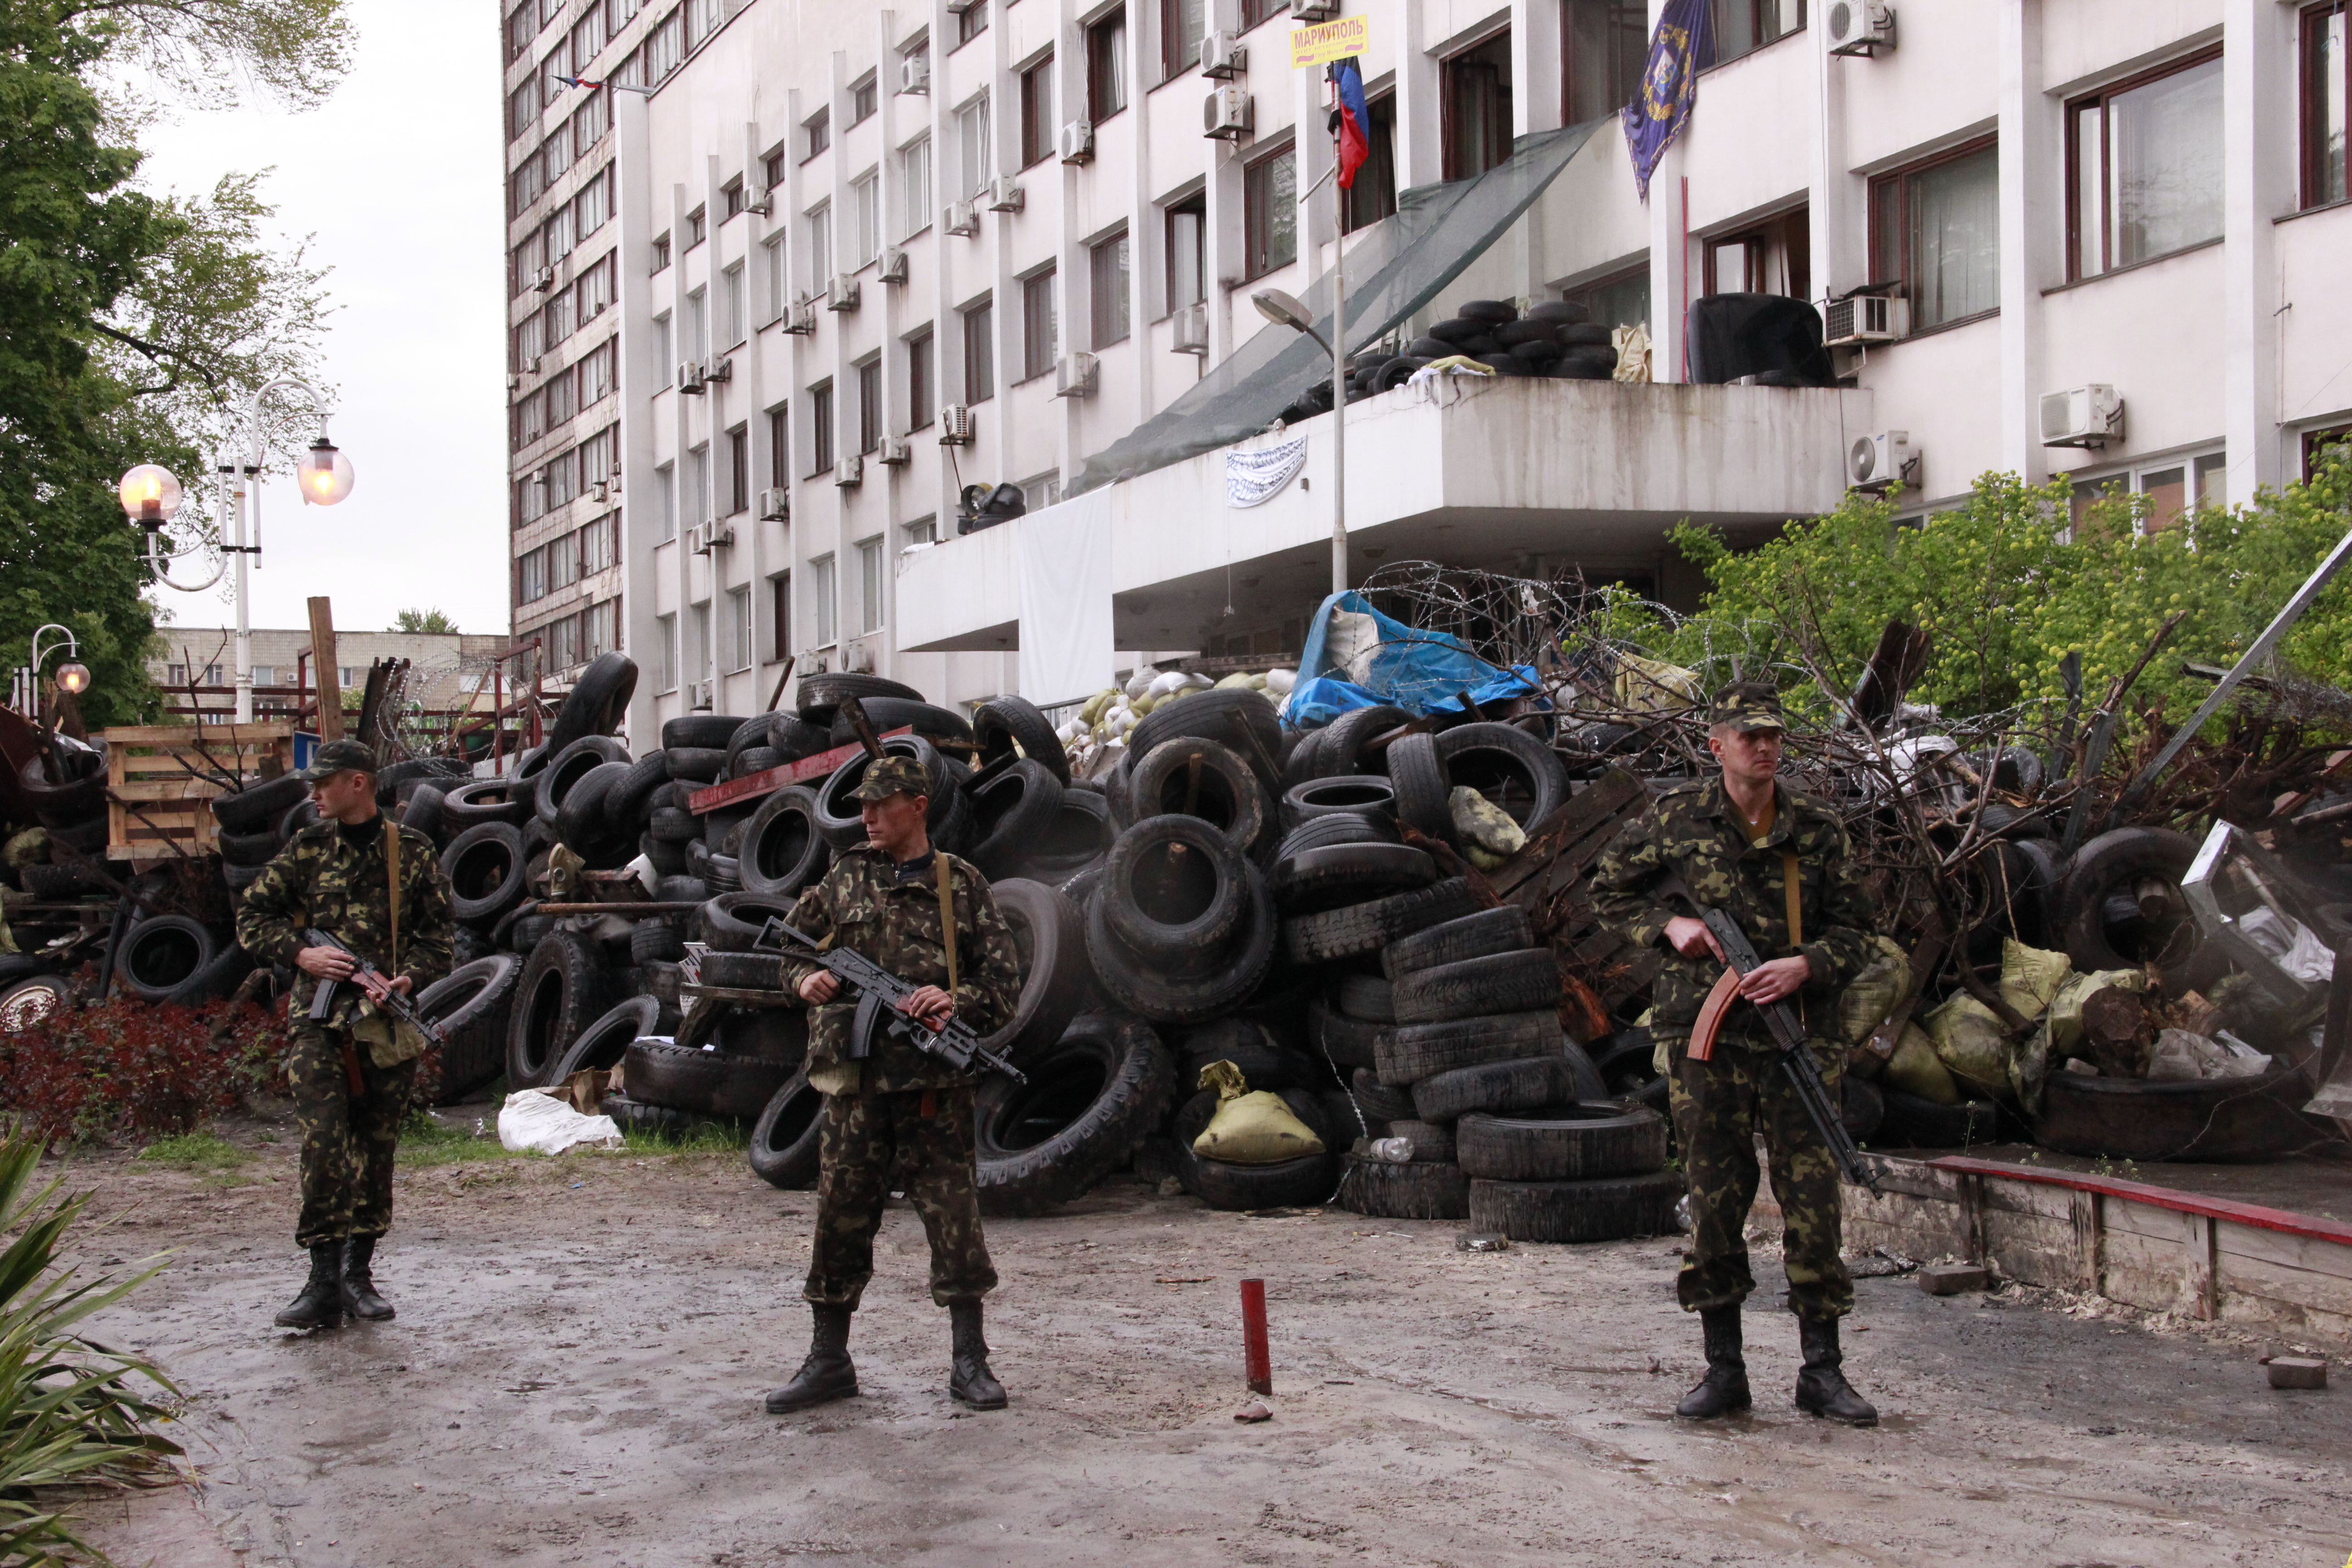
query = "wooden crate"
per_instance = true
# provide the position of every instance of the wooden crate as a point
(157, 807)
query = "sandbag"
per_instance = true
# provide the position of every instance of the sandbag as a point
(2182, 1058)
(2030, 976)
(1874, 992)
(535, 1121)
(1915, 1068)
(1487, 832)
(1970, 1042)
(1652, 686)
(1250, 1128)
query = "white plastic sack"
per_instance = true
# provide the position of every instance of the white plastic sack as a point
(2298, 950)
(2182, 1058)
(534, 1122)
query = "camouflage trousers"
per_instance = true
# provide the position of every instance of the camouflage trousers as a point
(863, 1137)
(1740, 1093)
(347, 1142)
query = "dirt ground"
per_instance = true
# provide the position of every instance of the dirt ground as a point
(575, 1373)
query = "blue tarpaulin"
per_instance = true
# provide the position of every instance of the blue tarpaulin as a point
(1418, 671)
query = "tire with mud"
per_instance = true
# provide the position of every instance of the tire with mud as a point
(1614, 1209)
(1418, 1191)
(1092, 1097)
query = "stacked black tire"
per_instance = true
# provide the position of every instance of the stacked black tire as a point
(65, 793)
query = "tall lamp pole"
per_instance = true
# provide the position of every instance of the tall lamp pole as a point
(1284, 310)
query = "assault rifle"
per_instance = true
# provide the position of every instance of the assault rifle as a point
(879, 991)
(1796, 1060)
(375, 983)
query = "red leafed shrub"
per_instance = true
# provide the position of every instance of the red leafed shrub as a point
(129, 1069)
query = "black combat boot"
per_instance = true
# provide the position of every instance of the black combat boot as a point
(360, 1298)
(828, 1373)
(970, 1380)
(1822, 1387)
(1723, 1389)
(320, 1304)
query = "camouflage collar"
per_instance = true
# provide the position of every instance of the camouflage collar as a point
(1717, 800)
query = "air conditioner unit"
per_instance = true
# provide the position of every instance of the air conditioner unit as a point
(2081, 416)
(955, 424)
(513, 383)
(700, 696)
(841, 294)
(800, 319)
(720, 369)
(763, 200)
(960, 218)
(1865, 319)
(530, 366)
(1858, 28)
(1074, 375)
(689, 376)
(958, 7)
(544, 280)
(1882, 460)
(1078, 142)
(915, 73)
(1192, 325)
(698, 538)
(600, 491)
(893, 268)
(857, 659)
(1226, 113)
(1312, 10)
(1004, 196)
(816, 661)
(895, 452)
(775, 504)
(848, 472)
(1223, 55)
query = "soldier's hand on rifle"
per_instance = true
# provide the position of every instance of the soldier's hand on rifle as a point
(929, 1007)
(1770, 982)
(1692, 938)
(380, 988)
(819, 988)
(326, 962)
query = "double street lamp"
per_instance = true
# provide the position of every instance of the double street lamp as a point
(152, 496)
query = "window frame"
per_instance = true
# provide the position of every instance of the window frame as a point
(1110, 282)
(922, 371)
(2311, 87)
(872, 418)
(1038, 130)
(780, 615)
(822, 455)
(824, 599)
(1890, 201)
(1569, 52)
(966, 29)
(1724, 58)
(978, 321)
(1451, 150)
(1106, 38)
(2071, 111)
(1174, 59)
(1195, 207)
(780, 447)
(1256, 194)
(739, 470)
(873, 582)
(1039, 285)
(1379, 160)
(817, 135)
(864, 97)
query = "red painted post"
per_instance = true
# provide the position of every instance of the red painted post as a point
(1258, 1361)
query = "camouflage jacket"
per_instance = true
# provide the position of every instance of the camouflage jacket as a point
(1696, 831)
(319, 880)
(861, 905)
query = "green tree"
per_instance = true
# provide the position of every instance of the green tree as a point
(435, 622)
(129, 320)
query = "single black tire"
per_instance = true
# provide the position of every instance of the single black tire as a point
(631, 1114)
(680, 887)
(1521, 982)
(696, 765)
(251, 809)
(1285, 1183)
(1862, 1106)
(1431, 1190)
(1380, 1102)
(2110, 862)
(702, 1083)
(1316, 879)
(423, 814)
(780, 850)
(630, 801)
(603, 1042)
(1304, 763)
(246, 849)
(1332, 828)
(784, 1139)
(700, 731)
(1092, 1097)
(1145, 987)
(794, 738)
(1359, 929)
(1005, 723)
(673, 824)
(1510, 767)
(1080, 835)
(486, 867)
(1417, 774)
(1251, 1047)
(1412, 1052)
(527, 931)
(772, 1034)
(668, 859)
(1482, 935)
(819, 697)
(1344, 1041)
(485, 800)
(574, 763)
(1368, 998)
(887, 713)
(1616, 1208)
(837, 816)
(1561, 1143)
(598, 701)
(474, 1003)
(1345, 738)
(1010, 813)
(162, 954)
(1530, 1083)
(754, 760)
(1363, 794)
(1050, 933)
(1432, 1142)
(580, 824)
(563, 989)
(751, 735)
(655, 941)
(1175, 888)
(744, 971)
(1244, 720)
(1228, 791)
(733, 922)
(302, 814)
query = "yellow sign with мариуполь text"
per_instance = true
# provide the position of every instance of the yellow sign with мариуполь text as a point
(1327, 41)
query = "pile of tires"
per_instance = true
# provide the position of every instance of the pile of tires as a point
(1556, 338)
(63, 790)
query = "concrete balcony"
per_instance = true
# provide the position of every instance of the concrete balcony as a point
(1511, 474)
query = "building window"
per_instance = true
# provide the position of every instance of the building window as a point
(1620, 301)
(1188, 272)
(978, 161)
(1477, 108)
(869, 405)
(915, 182)
(920, 356)
(869, 584)
(1938, 228)
(738, 469)
(2145, 167)
(1373, 195)
(1775, 257)
(2317, 443)
(1256, 11)
(822, 604)
(665, 498)
(820, 429)
(668, 637)
(772, 169)
(1038, 337)
(697, 482)
(2173, 490)
(697, 325)
(1107, 66)
(865, 208)
(922, 531)
(739, 626)
(697, 628)
(698, 228)
(661, 254)
(780, 615)
(1037, 112)
(662, 360)
(1743, 27)
(772, 251)
(731, 320)
(779, 446)
(980, 353)
(730, 197)
(1270, 214)
(817, 133)
(2326, 83)
(1107, 287)
(1179, 35)
(1603, 44)
(863, 99)
(820, 240)
(971, 22)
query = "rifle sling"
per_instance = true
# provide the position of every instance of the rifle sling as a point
(947, 921)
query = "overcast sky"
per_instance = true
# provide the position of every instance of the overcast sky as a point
(397, 177)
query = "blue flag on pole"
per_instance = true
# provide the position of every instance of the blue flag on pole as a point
(1683, 46)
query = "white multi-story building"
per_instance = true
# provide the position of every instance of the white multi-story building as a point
(826, 236)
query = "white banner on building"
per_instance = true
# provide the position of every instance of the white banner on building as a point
(1253, 478)
(1062, 560)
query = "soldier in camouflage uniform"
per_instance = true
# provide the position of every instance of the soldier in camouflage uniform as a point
(1734, 842)
(883, 901)
(351, 1072)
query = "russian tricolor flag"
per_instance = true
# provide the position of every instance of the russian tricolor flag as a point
(1355, 117)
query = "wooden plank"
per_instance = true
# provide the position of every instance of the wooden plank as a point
(2142, 1271)
(1608, 795)
(2233, 1240)
(2036, 1248)
(2296, 1287)
(769, 780)
(322, 660)
(214, 735)
(179, 789)
(2032, 1202)
(2201, 1291)
(2090, 1239)
(2161, 1197)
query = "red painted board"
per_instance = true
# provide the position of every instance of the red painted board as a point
(2255, 1215)
(822, 765)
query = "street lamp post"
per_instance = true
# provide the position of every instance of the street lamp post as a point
(1286, 310)
(151, 495)
(73, 676)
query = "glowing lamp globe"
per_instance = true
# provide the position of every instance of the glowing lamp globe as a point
(73, 679)
(150, 495)
(325, 474)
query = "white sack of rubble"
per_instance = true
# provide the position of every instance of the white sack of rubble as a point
(533, 1121)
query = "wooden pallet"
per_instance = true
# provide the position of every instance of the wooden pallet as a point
(161, 780)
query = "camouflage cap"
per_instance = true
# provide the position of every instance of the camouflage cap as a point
(339, 756)
(890, 775)
(1745, 706)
